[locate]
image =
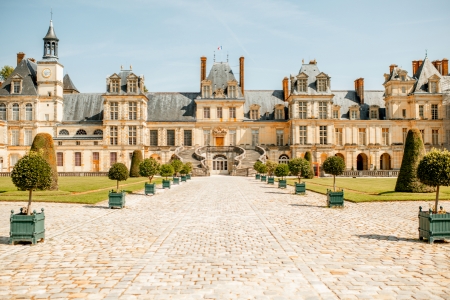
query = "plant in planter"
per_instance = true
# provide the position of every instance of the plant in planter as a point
(434, 170)
(149, 168)
(300, 167)
(184, 170)
(335, 166)
(118, 172)
(308, 157)
(256, 167)
(30, 173)
(263, 171)
(136, 159)
(43, 144)
(166, 170)
(282, 170)
(189, 168)
(177, 165)
(271, 165)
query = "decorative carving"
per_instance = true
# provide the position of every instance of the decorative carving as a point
(220, 131)
(219, 93)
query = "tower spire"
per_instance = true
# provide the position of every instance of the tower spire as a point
(50, 42)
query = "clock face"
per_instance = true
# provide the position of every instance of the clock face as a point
(46, 73)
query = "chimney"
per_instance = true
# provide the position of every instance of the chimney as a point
(438, 66)
(415, 66)
(32, 60)
(202, 70)
(391, 68)
(359, 88)
(241, 74)
(20, 56)
(285, 88)
(445, 67)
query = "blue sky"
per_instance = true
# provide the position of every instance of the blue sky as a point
(163, 40)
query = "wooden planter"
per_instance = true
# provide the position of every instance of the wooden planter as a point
(150, 188)
(282, 184)
(433, 226)
(270, 180)
(176, 180)
(183, 178)
(117, 199)
(166, 183)
(257, 176)
(188, 176)
(335, 199)
(263, 178)
(300, 188)
(25, 228)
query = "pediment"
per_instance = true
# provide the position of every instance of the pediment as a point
(206, 82)
(302, 75)
(434, 77)
(17, 77)
(254, 106)
(114, 76)
(279, 106)
(132, 76)
(232, 82)
(322, 75)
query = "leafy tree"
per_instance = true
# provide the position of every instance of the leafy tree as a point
(282, 170)
(189, 167)
(308, 157)
(257, 165)
(166, 170)
(335, 166)
(434, 170)
(148, 168)
(177, 165)
(407, 180)
(5, 72)
(136, 159)
(30, 173)
(271, 165)
(262, 169)
(119, 172)
(186, 169)
(43, 143)
(299, 167)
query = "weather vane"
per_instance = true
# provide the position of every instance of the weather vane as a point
(51, 14)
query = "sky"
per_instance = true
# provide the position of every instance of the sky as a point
(164, 40)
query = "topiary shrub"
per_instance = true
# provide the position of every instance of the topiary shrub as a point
(335, 166)
(434, 170)
(177, 165)
(148, 168)
(414, 150)
(282, 170)
(262, 169)
(136, 159)
(271, 166)
(257, 165)
(308, 158)
(32, 172)
(186, 169)
(166, 170)
(299, 167)
(43, 143)
(118, 172)
(189, 167)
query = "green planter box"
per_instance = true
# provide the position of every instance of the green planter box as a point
(335, 199)
(300, 188)
(433, 226)
(150, 188)
(270, 180)
(183, 178)
(176, 180)
(27, 228)
(282, 184)
(188, 176)
(116, 199)
(257, 176)
(263, 178)
(166, 184)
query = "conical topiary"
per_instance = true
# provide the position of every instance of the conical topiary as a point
(136, 159)
(308, 157)
(43, 144)
(407, 180)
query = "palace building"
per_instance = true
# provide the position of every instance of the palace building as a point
(221, 127)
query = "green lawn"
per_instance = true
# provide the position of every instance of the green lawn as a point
(369, 189)
(88, 190)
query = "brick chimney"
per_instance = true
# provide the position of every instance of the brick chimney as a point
(438, 66)
(285, 88)
(359, 88)
(32, 60)
(415, 67)
(391, 68)
(202, 70)
(20, 56)
(241, 74)
(445, 67)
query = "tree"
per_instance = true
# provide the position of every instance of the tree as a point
(166, 170)
(119, 172)
(299, 167)
(148, 168)
(282, 170)
(434, 170)
(257, 165)
(186, 169)
(136, 159)
(271, 165)
(177, 165)
(414, 150)
(335, 166)
(5, 72)
(43, 143)
(32, 172)
(262, 169)
(308, 157)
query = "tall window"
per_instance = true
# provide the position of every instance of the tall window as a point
(59, 159)
(77, 159)
(302, 135)
(338, 136)
(254, 114)
(302, 85)
(29, 112)
(113, 135)
(433, 87)
(132, 87)
(422, 133)
(153, 137)
(335, 114)
(16, 87)
(206, 137)
(132, 135)
(421, 111)
(206, 113)
(302, 110)
(280, 136)
(434, 111)
(187, 138)
(353, 114)
(171, 137)
(15, 112)
(232, 91)
(321, 85)
(2, 111)
(279, 114)
(114, 112)
(374, 114)
(232, 136)
(28, 137)
(403, 89)
(115, 86)
(206, 91)
(323, 110)
(362, 136)
(323, 135)
(404, 113)
(435, 136)
(132, 110)
(112, 158)
(385, 136)
(15, 137)
(404, 133)
(255, 137)
(219, 113)
(232, 112)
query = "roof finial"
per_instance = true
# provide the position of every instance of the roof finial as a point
(214, 56)
(121, 67)
(131, 67)
(51, 14)
(227, 56)
(303, 60)
(426, 53)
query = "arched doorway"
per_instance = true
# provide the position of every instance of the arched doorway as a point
(361, 162)
(283, 159)
(219, 164)
(340, 155)
(385, 162)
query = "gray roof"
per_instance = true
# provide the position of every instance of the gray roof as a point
(123, 74)
(51, 33)
(81, 107)
(219, 75)
(175, 107)
(345, 99)
(266, 100)
(68, 84)
(425, 71)
(27, 70)
(312, 70)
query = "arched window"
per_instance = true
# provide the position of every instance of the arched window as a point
(15, 110)
(29, 112)
(2, 111)
(98, 132)
(63, 132)
(81, 132)
(283, 159)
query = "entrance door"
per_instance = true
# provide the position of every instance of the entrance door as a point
(95, 162)
(219, 141)
(220, 165)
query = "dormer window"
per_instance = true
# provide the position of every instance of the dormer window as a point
(321, 85)
(206, 89)
(132, 86)
(254, 112)
(354, 112)
(16, 84)
(302, 85)
(433, 87)
(374, 113)
(403, 77)
(232, 89)
(114, 86)
(279, 112)
(336, 112)
(433, 84)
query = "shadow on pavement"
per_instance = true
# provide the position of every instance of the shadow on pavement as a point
(307, 205)
(96, 206)
(4, 240)
(389, 238)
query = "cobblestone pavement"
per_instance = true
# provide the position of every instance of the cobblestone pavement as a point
(226, 238)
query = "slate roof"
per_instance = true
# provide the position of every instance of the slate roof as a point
(27, 70)
(312, 70)
(345, 99)
(123, 74)
(68, 84)
(171, 107)
(266, 100)
(51, 33)
(425, 71)
(219, 75)
(81, 107)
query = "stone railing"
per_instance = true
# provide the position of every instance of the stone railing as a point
(262, 157)
(200, 172)
(177, 153)
(371, 173)
(200, 154)
(241, 155)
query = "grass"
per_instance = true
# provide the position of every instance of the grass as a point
(369, 189)
(86, 190)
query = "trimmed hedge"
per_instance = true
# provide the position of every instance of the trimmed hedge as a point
(308, 157)
(43, 144)
(136, 159)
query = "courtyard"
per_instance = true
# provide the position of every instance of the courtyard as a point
(224, 237)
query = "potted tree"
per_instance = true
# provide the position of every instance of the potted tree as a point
(308, 157)
(184, 170)
(433, 170)
(149, 168)
(177, 165)
(335, 166)
(271, 165)
(282, 170)
(300, 167)
(30, 173)
(263, 171)
(189, 168)
(256, 167)
(118, 172)
(166, 170)
(136, 160)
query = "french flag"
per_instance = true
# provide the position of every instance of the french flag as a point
(219, 48)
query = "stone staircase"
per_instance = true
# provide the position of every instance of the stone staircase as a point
(251, 156)
(187, 156)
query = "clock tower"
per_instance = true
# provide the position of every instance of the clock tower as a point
(50, 80)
